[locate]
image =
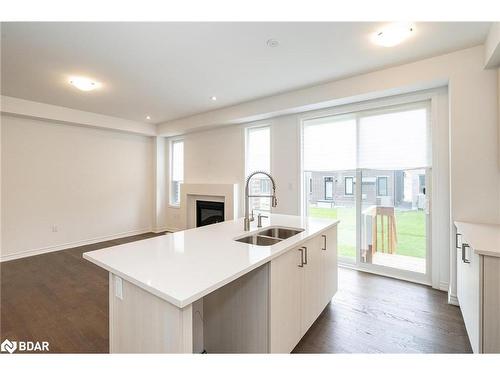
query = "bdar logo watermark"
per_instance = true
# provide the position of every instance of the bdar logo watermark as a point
(8, 346)
(24, 346)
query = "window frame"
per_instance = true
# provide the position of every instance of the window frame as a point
(324, 185)
(171, 202)
(248, 129)
(377, 188)
(434, 99)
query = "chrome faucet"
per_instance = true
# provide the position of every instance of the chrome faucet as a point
(274, 200)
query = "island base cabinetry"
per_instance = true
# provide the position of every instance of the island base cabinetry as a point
(302, 282)
(141, 322)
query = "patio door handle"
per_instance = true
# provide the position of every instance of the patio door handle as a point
(324, 243)
(464, 258)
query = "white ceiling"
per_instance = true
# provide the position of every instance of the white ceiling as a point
(170, 70)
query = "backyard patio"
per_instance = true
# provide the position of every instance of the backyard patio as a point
(411, 238)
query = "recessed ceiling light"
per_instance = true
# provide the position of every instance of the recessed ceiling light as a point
(393, 34)
(272, 43)
(148, 117)
(84, 84)
(214, 98)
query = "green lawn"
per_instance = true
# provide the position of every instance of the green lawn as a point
(410, 228)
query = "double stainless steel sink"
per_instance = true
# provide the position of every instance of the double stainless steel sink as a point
(270, 236)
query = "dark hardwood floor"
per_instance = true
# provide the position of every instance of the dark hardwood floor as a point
(58, 297)
(376, 314)
(61, 298)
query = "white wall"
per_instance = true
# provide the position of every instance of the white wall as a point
(492, 46)
(285, 162)
(160, 172)
(91, 183)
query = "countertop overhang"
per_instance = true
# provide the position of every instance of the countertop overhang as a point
(184, 266)
(483, 238)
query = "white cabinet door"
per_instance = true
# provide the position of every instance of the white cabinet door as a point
(330, 272)
(312, 284)
(302, 281)
(468, 289)
(285, 280)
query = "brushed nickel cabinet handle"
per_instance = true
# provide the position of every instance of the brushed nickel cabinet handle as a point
(305, 248)
(464, 258)
(301, 257)
(456, 240)
(324, 243)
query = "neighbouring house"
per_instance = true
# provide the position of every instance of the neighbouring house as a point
(401, 189)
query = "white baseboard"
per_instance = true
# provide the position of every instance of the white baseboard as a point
(453, 300)
(443, 285)
(169, 229)
(69, 245)
(159, 230)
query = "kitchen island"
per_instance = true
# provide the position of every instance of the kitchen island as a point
(220, 289)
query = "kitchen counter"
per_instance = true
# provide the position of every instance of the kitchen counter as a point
(483, 238)
(183, 267)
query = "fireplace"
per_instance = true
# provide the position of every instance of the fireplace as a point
(209, 212)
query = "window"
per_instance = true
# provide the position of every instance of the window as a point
(348, 185)
(329, 188)
(258, 158)
(265, 186)
(421, 183)
(382, 190)
(176, 171)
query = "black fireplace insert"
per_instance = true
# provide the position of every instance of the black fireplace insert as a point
(209, 212)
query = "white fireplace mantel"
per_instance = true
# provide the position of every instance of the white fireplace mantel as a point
(190, 193)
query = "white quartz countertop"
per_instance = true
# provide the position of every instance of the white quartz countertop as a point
(182, 267)
(483, 238)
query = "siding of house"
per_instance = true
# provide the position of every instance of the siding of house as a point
(369, 189)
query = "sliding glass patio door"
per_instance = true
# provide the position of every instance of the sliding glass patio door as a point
(371, 170)
(330, 176)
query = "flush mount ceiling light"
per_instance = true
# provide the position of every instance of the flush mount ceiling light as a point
(84, 84)
(148, 117)
(393, 34)
(213, 98)
(272, 43)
